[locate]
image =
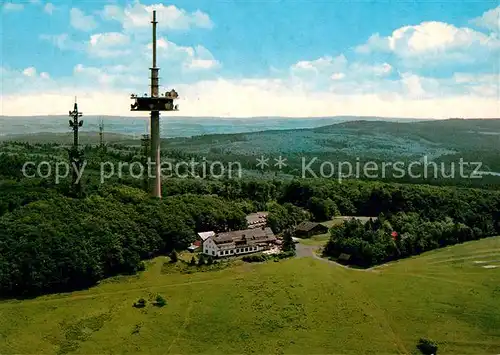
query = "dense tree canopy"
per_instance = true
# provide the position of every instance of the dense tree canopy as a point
(400, 235)
(60, 243)
(51, 242)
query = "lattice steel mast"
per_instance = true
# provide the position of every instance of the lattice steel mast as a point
(75, 155)
(75, 124)
(101, 133)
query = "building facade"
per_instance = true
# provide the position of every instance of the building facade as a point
(239, 242)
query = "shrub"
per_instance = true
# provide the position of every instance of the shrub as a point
(193, 261)
(141, 266)
(201, 260)
(427, 347)
(137, 329)
(255, 258)
(258, 258)
(160, 301)
(173, 256)
(285, 254)
(288, 243)
(141, 303)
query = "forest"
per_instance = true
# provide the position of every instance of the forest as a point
(53, 241)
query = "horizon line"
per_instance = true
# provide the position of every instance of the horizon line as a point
(269, 117)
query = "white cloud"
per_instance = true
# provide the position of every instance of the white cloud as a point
(62, 41)
(49, 8)
(80, 21)
(115, 77)
(373, 44)
(317, 73)
(129, 52)
(468, 78)
(112, 12)
(357, 70)
(31, 71)
(337, 76)
(320, 65)
(20, 81)
(247, 98)
(489, 20)
(138, 16)
(324, 86)
(11, 6)
(338, 68)
(106, 91)
(486, 85)
(413, 85)
(190, 58)
(202, 64)
(434, 42)
(110, 44)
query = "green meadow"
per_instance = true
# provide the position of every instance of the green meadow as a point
(294, 306)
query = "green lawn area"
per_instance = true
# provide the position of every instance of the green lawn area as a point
(321, 239)
(295, 306)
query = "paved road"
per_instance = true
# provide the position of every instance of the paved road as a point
(310, 251)
(305, 250)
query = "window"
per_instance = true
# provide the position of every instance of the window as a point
(237, 250)
(246, 249)
(232, 251)
(213, 252)
(225, 252)
(206, 251)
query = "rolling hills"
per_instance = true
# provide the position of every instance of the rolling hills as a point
(170, 126)
(446, 142)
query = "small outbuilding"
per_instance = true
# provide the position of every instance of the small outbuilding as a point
(307, 229)
(344, 257)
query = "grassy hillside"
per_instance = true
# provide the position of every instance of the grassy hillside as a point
(302, 305)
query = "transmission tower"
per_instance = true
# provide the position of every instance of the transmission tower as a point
(75, 155)
(101, 133)
(154, 104)
(146, 142)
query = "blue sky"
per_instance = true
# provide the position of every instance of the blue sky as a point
(256, 58)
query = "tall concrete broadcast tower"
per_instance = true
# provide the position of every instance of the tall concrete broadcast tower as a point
(154, 104)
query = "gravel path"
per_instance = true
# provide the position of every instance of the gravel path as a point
(304, 251)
